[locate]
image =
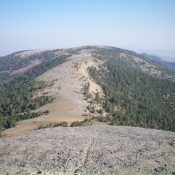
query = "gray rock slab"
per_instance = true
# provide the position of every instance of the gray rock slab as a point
(93, 149)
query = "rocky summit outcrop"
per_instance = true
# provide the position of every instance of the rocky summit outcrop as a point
(92, 149)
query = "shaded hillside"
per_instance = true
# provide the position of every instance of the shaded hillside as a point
(134, 60)
(159, 60)
(23, 61)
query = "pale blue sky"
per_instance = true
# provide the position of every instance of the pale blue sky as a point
(132, 24)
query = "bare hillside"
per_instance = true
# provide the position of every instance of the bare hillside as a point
(65, 83)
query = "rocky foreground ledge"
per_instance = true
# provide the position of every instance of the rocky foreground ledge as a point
(93, 149)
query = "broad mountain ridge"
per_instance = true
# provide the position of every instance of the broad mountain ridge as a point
(86, 110)
(114, 85)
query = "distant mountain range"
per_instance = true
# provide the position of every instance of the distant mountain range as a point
(160, 60)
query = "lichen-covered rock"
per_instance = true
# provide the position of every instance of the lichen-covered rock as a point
(95, 149)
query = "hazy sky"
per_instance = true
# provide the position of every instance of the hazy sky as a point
(133, 24)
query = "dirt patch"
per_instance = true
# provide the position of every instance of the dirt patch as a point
(61, 109)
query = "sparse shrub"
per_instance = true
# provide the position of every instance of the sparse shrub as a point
(46, 112)
(76, 123)
(91, 108)
(100, 111)
(86, 121)
(40, 127)
(64, 124)
(53, 125)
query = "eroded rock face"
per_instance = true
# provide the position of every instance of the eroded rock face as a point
(94, 149)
